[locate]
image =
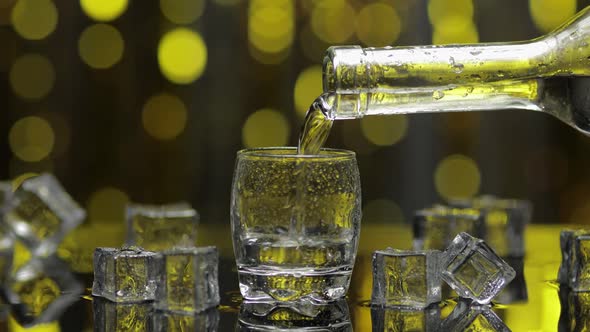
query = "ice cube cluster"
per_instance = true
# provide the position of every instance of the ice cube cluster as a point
(500, 222)
(175, 281)
(35, 218)
(413, 278)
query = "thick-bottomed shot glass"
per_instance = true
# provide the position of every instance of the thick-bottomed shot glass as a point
(295, 222)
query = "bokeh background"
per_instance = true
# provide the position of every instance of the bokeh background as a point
(148, 101)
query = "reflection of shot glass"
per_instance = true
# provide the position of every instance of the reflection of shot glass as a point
(295, 223)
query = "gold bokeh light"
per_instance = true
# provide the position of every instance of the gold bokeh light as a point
(457, 176)
(384, 131)
(31, 138)
(378, 24)
(182, 11)
(271, 30)
(549, 14)
(32, 76)
(308, 87)
(265, 127)
(456, 30)
(333, 20)
(101, 46)
(382, 211)
(440, 10)
(107, 205)
(34, 19)
(164, 116)
(182, 55)
(104, 10)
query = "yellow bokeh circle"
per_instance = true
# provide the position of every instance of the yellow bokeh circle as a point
(271, 29)
(308, 87)
(549, 14)
(265, 127)
(107, 205)
(456, 30)
(31, 138)
(32, 76)
(382, 211)
(182, 55)
(103, 10)
(182, 11)
(34, 19)
(333, 20)
(101, 46)
(383, 131)
(164, 116)
(378, 24)
(457, 176)
(440, 10)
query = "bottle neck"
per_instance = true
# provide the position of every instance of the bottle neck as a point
(507, 94)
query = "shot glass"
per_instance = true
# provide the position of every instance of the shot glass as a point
(295, 222)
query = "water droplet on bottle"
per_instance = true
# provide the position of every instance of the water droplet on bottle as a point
(438, 94)
(458, 68)
(501, 74)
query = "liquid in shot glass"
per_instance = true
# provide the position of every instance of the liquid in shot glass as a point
(295, 223)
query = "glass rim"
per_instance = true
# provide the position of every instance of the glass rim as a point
(265, 152)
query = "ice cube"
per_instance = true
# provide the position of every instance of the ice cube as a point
(435, 228)
(474, 270)
(205, 321)
(161, 227)
(112, 316)
(516, 290)
(575, 307)
(505, 221)
(125, 275)
(579, 262)
(256, 316)
(5, 195)
(406, 278)
(41, 290)
(568, 273)
(189, 280)
(471, 316)
(41, 213)
(406, 319)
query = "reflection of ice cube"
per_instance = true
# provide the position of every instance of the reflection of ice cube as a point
(256, 316)
(161, 227)
(188, 281)
(505, 221)
(404, 319)
(41, 213)
(125, 275)
(474, 270)
(112, 316)
(470, 316)
(41, 290)
(406, 278)
(435, 228)
(206, 321)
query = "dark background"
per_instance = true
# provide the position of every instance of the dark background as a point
(108, 142)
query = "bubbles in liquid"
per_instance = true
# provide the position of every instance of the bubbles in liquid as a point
(438, 94)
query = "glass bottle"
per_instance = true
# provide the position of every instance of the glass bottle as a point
(548, 74)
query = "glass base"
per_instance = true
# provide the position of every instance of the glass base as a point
(273, 285)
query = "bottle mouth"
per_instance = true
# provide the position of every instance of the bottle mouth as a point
(339, 68)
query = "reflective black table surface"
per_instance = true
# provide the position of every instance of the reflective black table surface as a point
(532, 302)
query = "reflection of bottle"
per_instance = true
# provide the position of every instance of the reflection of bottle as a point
(549, 74)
